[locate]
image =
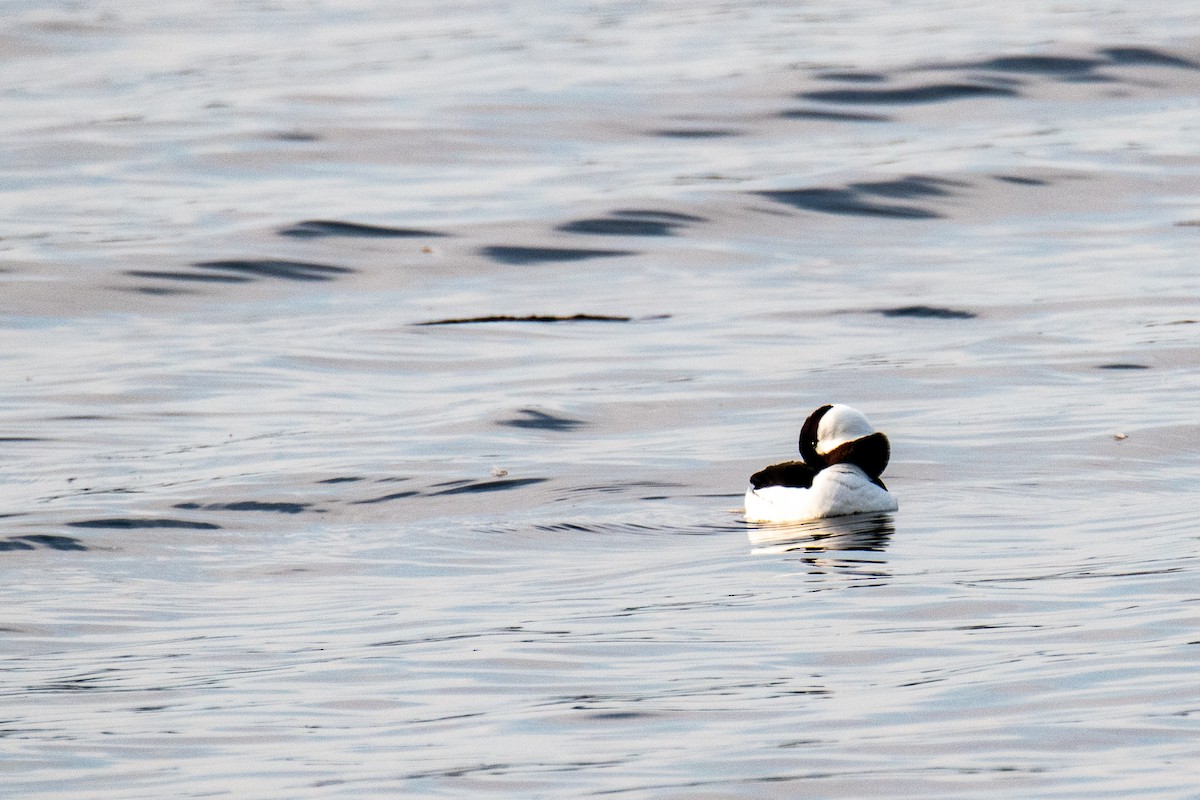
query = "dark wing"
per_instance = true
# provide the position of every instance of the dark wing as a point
(870, 454)
(789, 473)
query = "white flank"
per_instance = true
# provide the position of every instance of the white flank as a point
(836, 491)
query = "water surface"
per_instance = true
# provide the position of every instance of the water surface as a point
(380, 391)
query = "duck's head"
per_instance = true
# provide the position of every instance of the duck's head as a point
(837, 434)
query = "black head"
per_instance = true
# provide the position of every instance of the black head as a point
(808, 439)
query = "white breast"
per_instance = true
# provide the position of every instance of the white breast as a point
(836, 491)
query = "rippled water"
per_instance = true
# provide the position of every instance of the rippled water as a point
(380, 389)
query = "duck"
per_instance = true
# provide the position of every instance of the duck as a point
(843, 457)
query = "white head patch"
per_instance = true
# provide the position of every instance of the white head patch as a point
(839, 425)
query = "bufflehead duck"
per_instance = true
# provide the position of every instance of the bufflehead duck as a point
(843, 459)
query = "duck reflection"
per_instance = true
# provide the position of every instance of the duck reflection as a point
(856, 533)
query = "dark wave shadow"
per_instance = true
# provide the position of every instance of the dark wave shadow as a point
(846, 202)
(833, 116)
(319, 228)
(694, 133)
(133, 523)
(652, 213)
(1075, 68)
(157, 291)
(448, 488)
(385, 498)
(1146, 56)
(48, 541)
(907, 187)
(478, 487)
(853, 77)
(926, 312)
(1021, 180)
(1039, 65)
(625, 528)
(295, 136)
(860, 199)
(630, 223)
(530, 318)
(276, 268)
(913, 95)
(533, 419)
(241, 271)
(855, 200)
(520, 256)
(197, 277)
(250, 505)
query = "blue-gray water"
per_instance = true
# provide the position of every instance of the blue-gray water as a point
(265, 534)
